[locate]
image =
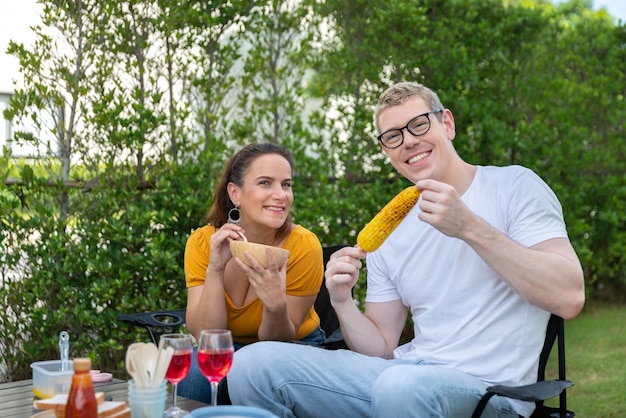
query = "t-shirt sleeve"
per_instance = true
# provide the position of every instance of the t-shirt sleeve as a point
(305, 268)
(197, 255)
(535, 213)
(380, 287)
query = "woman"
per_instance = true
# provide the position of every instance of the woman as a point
(253, 197)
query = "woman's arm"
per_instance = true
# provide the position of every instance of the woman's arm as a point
(284, 325)
(206, 305)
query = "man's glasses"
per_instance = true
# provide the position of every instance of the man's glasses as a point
(417, 126)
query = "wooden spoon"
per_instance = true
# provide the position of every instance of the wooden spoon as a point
(131, 363)
(150, 354)
(163, 363)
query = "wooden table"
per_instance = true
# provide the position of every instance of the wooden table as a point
(16, 398)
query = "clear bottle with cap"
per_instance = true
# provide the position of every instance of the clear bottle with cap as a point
(81, 401)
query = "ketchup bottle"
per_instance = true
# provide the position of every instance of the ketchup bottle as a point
(81, 402)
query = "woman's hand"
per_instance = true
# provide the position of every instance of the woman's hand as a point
(220, 246)
(269, 284)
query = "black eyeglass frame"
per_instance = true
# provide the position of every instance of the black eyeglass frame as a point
(427, 114)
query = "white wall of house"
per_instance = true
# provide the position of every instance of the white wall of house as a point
(16, 19)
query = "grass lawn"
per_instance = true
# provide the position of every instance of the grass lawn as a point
(595, 352)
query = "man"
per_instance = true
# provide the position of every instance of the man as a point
(481, 261)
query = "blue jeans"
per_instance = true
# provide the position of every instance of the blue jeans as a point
(196, 386)
(301, 381)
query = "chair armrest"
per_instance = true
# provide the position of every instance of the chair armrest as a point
(534, 392)
(171, 318)
(156, 323)
(539, 391)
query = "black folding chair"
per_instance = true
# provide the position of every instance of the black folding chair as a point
(543, 389)
(169, 321)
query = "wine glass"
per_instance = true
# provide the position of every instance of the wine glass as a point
(215, 356)
(178, 368)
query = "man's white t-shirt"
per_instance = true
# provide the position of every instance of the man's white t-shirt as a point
(465, 316)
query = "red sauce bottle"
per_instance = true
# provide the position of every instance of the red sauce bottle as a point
(81, 402)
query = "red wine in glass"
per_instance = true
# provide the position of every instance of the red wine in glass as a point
(215, 356)
(215, 364)
(179, 366)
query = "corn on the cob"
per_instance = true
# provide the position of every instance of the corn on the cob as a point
(389, 217)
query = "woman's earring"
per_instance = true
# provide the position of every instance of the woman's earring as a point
(234, 215)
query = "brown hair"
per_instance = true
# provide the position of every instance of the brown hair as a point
(403, 91)
(235, 171)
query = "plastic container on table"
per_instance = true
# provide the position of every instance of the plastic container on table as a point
(49, 379)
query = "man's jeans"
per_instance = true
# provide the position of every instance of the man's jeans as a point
(293, 380)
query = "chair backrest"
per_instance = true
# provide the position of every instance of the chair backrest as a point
(554, 332)
(328, 317)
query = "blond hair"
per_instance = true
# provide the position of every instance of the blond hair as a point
(403, 91)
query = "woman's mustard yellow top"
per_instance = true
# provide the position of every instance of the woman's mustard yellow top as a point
(305, 272)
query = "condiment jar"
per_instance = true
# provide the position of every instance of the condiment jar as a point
(81, 402)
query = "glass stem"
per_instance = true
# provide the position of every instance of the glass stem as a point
(174, 394)
(214, 386)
